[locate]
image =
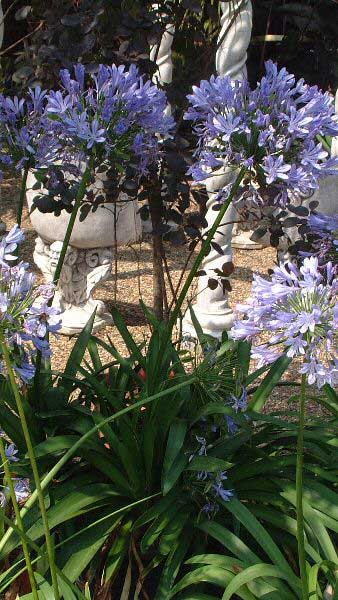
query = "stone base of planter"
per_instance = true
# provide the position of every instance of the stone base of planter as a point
(212, 323)
(83, 270)
(242, 241)
(75, 318)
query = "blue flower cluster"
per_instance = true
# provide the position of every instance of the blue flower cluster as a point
(21, 489)
(299, 307)
(212, 482)
(323, 231)
(271, 132)
(114, 116)
(25, 314)
(21, 485)
(26, 138)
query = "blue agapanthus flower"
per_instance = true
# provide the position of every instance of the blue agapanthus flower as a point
(26, 138)
(271, 132)
(11, 451)
(25, 317)
(298, 309)
(22, 492)
(114, 116)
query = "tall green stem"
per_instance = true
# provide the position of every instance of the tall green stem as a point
(22, 196)
(25, 549)
(79, 197)
(299, 492)
(30, 450)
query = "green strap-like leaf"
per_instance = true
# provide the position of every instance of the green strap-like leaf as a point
(175, 442)
(269, 382)
(254, 572)
(260, 534)
(127, 337)
(77, 353)
(172, 565)
(209, 574)
(230, 541)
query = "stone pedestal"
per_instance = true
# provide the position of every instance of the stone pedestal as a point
(83, 270)
(162, 56)
(88, 261)
(212, 308)
(241, 240)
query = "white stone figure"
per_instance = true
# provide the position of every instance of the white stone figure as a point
(211, 308)
(82, 272)
(161, 54)
(231, 62)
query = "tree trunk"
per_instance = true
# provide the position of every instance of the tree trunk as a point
(155, 209)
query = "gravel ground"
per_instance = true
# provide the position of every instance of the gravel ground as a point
(134, 280)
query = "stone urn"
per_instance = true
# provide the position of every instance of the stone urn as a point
(88, 261)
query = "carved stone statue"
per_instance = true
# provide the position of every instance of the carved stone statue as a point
(162, 56)
(211, 308)
(82, 272)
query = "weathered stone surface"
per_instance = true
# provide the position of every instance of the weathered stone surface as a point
(83, 270)
(89, 256)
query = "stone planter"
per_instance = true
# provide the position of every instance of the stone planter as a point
(88, 261)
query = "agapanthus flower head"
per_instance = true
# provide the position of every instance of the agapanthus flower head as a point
(114, 115)
(297, 308)
(25, 317)
(26, 138)
(21, 489)
(11, 452)
(270, 131)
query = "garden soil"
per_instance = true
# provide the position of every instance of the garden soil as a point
(134, 281)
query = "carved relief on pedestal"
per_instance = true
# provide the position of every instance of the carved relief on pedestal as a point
(82, 272)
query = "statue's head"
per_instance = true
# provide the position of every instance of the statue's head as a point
(55, 251)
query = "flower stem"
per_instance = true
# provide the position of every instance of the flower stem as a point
(25, 549)
(22, 196)
(30, 450)
(299, 492)
(79, 197)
